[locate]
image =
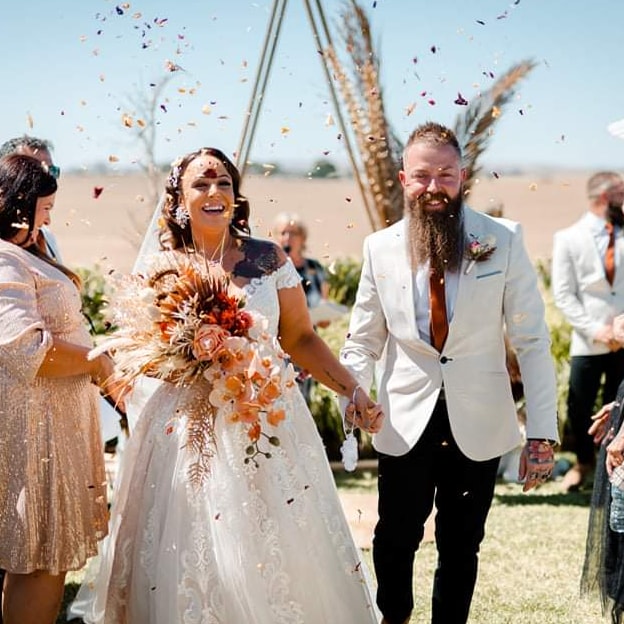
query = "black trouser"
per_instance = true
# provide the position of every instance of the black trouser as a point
(435, 469)
(586, 373)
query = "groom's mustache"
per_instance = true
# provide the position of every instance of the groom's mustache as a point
(439, 196)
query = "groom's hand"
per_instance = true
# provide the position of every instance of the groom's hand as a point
(363, 413)
(536, 463)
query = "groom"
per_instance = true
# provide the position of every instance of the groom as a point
(438, 291)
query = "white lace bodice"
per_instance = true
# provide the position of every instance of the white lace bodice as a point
(262, 293)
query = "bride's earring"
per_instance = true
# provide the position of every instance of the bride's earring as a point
(181, 216)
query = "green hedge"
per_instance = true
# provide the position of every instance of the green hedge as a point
(94, 295)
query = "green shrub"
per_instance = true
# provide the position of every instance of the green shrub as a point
(343, 276)
(323, 168)
(94, 299)
(560, 336)
(324, 404)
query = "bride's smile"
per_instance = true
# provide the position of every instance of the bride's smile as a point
(208, 195)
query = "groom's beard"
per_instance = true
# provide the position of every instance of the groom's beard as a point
(436, 236)
(615, 214)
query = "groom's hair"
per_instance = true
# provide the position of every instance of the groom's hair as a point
(435, 134)
(172, 235)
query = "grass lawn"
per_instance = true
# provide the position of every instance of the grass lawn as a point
(531, 559)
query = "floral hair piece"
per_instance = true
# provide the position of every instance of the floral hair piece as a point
(174, 176)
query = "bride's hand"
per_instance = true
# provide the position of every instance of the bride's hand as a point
(363, 412)
(110, 384)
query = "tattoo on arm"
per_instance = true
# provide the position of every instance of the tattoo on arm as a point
(339, 384)
(259, 258)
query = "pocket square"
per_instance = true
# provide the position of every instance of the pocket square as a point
(488, 274)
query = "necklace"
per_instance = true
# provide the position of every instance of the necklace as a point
(221, 249)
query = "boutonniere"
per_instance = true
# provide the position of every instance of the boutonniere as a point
(479, 250)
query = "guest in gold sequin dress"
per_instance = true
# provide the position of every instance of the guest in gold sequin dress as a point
(53, 506)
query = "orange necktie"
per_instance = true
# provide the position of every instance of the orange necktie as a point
(610, 255)
(438, 322)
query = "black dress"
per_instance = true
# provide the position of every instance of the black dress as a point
(603, 570)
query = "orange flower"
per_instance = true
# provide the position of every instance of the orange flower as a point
(234, 385)
(254, 432)
(269, 392)
(166, 329)
(207, 341)
(275, 417)
(248, 412)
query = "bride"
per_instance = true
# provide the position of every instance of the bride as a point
(258, 536)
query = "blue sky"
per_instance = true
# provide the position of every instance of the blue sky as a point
(70, 68)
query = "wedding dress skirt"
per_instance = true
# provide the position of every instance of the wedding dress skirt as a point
(264, 544)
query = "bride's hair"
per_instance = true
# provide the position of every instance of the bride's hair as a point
(172, 235)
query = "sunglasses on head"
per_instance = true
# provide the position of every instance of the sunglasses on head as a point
(54, 171)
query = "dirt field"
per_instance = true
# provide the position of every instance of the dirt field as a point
(107, 231)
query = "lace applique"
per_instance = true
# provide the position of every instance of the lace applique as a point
(262, 292)
(286, 276)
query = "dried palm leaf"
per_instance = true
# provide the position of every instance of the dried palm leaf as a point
(476, 126)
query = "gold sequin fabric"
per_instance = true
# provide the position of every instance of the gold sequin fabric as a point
(53, 507)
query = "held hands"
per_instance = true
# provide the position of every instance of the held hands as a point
(600, 427)
(615, 453)
(363, 413)
(603, 434)
(104, 376)
(606, 336)
(536, 463)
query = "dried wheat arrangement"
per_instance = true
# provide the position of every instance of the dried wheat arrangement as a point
(379, 150)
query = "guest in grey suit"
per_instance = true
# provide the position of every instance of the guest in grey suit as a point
(588, 287)
(438, 291)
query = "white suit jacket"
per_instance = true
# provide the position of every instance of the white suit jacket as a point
(580, 288)
(496, 293)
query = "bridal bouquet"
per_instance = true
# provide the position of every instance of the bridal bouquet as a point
(182, 324)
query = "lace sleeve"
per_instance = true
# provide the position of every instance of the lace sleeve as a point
(286, 276)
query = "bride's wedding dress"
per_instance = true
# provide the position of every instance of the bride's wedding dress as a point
(253, 544)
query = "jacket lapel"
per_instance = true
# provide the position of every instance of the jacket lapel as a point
(405, 278)
(473, 227)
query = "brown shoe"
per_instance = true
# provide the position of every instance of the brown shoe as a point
(574, 478)
(384, 621)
